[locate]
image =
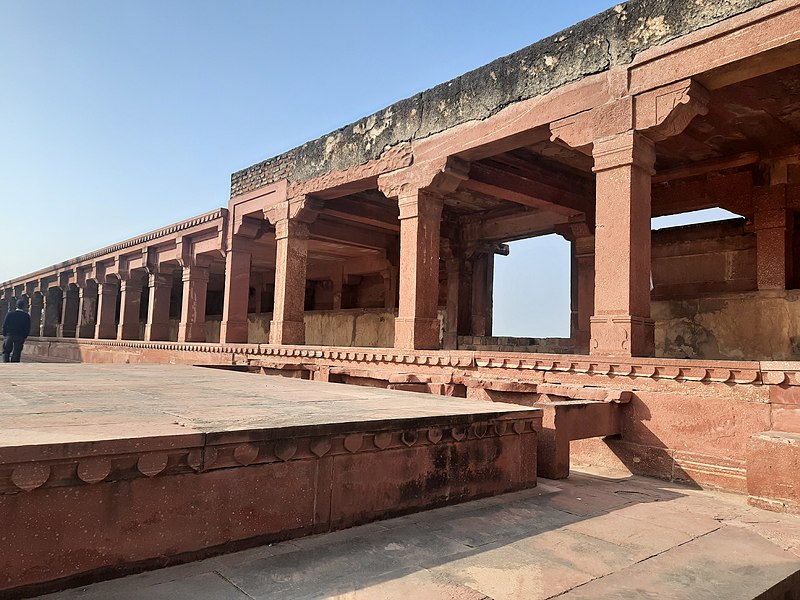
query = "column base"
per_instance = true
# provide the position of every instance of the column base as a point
(417, 333)
(622, 335)
(86, 331)
(192, 332)
(106, 332)
(233, 332)
(287, 332)
(156, 332)
(129, 331)
(66, 332)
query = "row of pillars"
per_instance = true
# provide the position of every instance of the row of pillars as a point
(89, 309)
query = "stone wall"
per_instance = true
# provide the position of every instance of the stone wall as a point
(595, 45)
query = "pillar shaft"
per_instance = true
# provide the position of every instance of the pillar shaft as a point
(291, 256)
(69, 312)
(482, 288)
(450, 341)
(106, 327)
(87, 310)
(130, 303)
(417, 323)
(160, 290)
(51, 312)
(774, 225)
(37, 306)
(621, 325)
(582, 292)
(237, 288)
(192, 327)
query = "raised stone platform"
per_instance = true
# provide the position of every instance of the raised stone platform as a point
(108, 469)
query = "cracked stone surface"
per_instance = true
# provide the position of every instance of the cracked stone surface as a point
(599, 534)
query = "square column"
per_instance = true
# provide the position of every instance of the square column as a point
(192, 327)
(417, 323)
(453, 265)
(582, 292)
(69, 312)
(130, 302)
(774, 225)
(237, 288)
(621, 325)
(106, 327)
(482, 288)
(157, 327)
(36, 308)
(51, 312)
(288, 326)
(87, 310)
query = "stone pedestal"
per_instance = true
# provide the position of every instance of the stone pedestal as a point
(621, 325)
(192, 327)
(160, 288)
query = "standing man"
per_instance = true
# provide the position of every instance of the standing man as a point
(16, 328)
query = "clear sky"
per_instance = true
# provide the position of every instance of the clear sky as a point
(117, 118)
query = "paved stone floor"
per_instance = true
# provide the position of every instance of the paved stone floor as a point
(595, 535)
(57, 403)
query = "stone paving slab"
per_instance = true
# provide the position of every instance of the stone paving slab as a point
(596, 535)
(51, 402)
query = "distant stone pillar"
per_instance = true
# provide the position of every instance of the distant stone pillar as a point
(337, 283)
(51, 312)
(482, 290)
(87, 311)
(581, 238)
(69, 312)
(453, 266)
(774, 225)
(288, 326)
(621, 325)
(130, 304)
(160, 289)
(192, 327)
(36, 308)
(237, 288)
(106, 327)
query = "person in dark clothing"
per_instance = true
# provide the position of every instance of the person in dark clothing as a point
(16, 328)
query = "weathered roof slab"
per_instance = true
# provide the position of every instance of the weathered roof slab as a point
(610, 38)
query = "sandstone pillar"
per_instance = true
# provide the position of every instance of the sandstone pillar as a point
(51, 312)
(36, 308)
(337, 283)
(106, 325)
(130, 303)
(774, 225)
(453, 266)
(417, 323)
(192, 327)
(581, 238)
(621, 325)
(87, 309)
(69, 312)
(160, 289)
(288, 326)
(237, 288)
(482, 289)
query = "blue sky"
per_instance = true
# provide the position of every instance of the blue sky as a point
(119, 118)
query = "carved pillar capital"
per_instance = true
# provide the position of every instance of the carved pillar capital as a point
(626, 149)
(438, 176)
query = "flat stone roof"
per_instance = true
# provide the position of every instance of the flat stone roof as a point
(611, 38)
(66, 403)
(595, 535)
